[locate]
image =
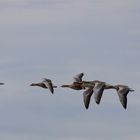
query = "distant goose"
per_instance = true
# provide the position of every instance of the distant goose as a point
(86, 94)
(1, 83)
(98, 88)
(122, 91)
(76, 85)
(46, 83)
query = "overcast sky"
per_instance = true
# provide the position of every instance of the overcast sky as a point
(58, 39)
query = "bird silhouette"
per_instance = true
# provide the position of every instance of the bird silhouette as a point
(123, 91)
(46, 83)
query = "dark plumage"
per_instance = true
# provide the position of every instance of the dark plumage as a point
(1, 83)
(87, 96)
(98, 88)
(78, 85)
(46, 83)
(123, 91)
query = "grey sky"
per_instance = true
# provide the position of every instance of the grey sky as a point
(57, 39)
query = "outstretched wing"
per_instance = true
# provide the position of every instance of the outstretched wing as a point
(123, 100)
(86, 96)
(48, 84)
(122, 93)
(46, 80)
(98, 92)
(78, 77)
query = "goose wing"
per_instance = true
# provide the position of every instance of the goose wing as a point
(48, 84)
(78, 77)
(86, 96)
(122, 93)
(123, 100)
(47, 80)
(98, 92)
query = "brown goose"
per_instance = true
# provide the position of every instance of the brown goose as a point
(123, 91)
(98, 88)
(76, 85)
(46, 83)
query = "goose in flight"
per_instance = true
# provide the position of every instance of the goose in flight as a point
(98, 88)
(123, 91)
(76, 85)
(46, 83)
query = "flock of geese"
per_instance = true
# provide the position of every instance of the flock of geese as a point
(97, 87)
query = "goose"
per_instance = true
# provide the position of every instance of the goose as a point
(122, 91)
(98, 88)
(46, 83)
(76, 85)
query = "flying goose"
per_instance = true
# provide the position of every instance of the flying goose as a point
(123, 91)
(76, 85)
(46, 83)
(98, 88)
